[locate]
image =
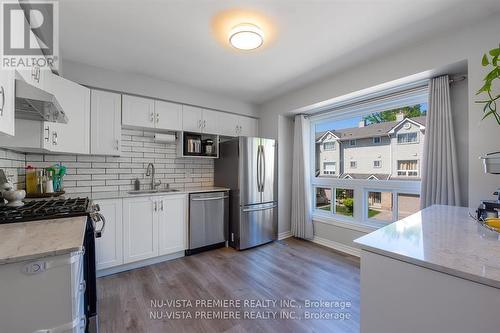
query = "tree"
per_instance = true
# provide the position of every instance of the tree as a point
(390, 115)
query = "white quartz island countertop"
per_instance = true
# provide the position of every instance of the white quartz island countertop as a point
(441, 238)
(39, 239)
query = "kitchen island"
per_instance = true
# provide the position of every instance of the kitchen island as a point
(431, 272)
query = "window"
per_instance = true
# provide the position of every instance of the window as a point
(408, 168)
(380, 206)
(407, 138)
(407, 204)
(329, 146)
(329, 168)
(323, 198)
(372, 184)
(344, 201)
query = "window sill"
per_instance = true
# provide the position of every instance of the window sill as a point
(366, 226)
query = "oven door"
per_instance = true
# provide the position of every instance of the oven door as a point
(89, 273)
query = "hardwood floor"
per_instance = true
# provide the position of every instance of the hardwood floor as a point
(291, 269)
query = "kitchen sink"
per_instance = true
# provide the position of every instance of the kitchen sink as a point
(153, 191)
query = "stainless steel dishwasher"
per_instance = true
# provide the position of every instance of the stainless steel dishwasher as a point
(208, 221)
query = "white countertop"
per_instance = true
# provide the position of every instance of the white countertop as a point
(125, 194)
(442, 238)
(40, 239)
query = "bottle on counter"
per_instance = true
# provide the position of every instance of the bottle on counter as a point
(49, 185)
(31, 179)
(39, 181)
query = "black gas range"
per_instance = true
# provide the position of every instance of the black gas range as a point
(45, 209)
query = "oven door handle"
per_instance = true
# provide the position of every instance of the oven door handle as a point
(98, 233)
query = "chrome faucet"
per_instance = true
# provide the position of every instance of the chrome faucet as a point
(150, 171)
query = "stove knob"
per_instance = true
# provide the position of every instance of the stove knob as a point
(97, 208)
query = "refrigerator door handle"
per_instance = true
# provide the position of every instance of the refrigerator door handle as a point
(259, 208)
(263, 169)
(258, 169)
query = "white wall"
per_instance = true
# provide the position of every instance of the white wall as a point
(151, 87)
(438, 51)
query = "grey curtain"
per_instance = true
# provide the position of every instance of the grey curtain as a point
(302, 225)
(440, 182)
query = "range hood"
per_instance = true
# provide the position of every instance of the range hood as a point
(33, 103)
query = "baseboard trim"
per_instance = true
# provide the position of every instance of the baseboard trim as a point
(284, 235)
(337, 246)
(138, 264)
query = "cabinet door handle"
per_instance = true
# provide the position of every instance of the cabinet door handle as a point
(199, 123)
(48, 133)
(152, 117)
(204, 123)
(54, 138)
(157, 118)
(2, 92)
(117, 143)
(156, 206)
(162, 205)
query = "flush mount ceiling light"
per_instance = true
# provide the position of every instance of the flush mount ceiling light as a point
(246, 36)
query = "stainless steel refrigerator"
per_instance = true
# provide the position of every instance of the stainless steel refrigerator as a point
(248, 166)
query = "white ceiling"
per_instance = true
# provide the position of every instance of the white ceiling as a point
(175, 40)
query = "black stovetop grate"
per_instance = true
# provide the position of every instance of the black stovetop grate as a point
(45, 209)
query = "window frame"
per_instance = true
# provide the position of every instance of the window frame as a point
(329, 172)
(353, 142)
(355, 164)
(359, 221)
(329, 149)
(379, 140)
(379, 164)
(407, 171)
(407, 134)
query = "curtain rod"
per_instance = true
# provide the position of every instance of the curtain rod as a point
(451, 80)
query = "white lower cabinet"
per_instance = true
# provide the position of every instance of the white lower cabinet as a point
(153, 226)
(109, 247)
(140, 229)
(172, 224)
(43, 300)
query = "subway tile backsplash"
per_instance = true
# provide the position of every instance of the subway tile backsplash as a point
(12, 163)
(107, 173)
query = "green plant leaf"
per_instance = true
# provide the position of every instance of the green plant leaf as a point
(485, 61)
(486, 87)
(495, 52)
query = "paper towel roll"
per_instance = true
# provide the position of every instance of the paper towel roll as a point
(164, 138)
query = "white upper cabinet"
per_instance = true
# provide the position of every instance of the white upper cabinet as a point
(105, 115)
(234, 125)
(199, 120)
(172, 224)
(138, 111)
(109, 247)
(210, 125)
(192, 119)
(228, 124)
(7, 101)
(73, 137)
(168, 116)
(248, 126)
